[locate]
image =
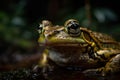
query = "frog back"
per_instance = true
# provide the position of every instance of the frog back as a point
(101, 39)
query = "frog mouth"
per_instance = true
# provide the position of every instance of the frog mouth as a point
(63, 42)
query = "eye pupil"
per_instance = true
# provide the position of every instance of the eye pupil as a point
(74, 26)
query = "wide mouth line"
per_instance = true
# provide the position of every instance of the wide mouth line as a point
(62, 44)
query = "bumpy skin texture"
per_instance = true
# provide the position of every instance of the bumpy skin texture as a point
(74, 46)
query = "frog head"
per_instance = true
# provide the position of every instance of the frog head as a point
(56, 35)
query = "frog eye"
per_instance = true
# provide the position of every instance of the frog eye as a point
(43, 25)
(72, 27)
(40, 28)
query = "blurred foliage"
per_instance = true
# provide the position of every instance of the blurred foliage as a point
(14, 28)
(100, 16)
(13, 31)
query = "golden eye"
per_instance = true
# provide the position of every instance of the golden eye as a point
(72, 27)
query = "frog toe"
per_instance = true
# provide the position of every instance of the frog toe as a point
(47, 69)
(44, 70)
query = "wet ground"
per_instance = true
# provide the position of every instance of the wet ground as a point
(77, 75)
(56, 75)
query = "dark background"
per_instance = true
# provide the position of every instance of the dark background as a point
(19, 20)
(35, 10)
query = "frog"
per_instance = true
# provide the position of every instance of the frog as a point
(72, 46)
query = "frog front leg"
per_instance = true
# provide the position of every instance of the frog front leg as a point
(44, 65)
